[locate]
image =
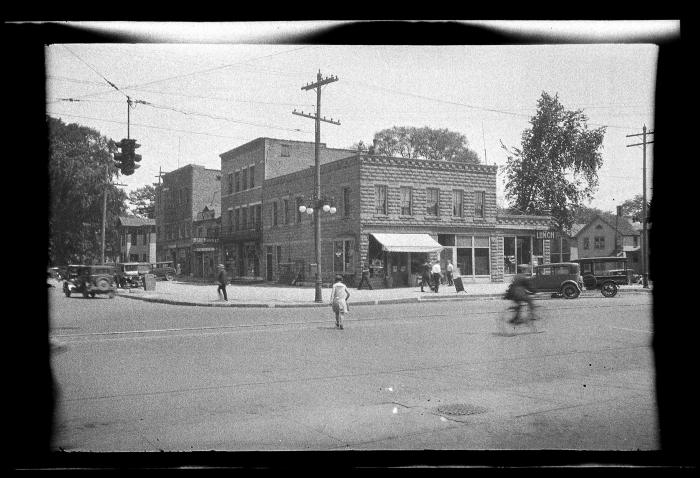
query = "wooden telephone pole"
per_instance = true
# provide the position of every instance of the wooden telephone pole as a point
(645, 265)
(320, 81)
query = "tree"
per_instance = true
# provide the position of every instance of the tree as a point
(421, 143)
(143, 201)
(583, 214)
(556, 168)
(633, 207)
(80, 170)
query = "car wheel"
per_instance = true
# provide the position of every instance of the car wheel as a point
(570, 291)
(103, 285)
(609, 289)
(169, 277)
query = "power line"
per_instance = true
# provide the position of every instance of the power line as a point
(95, 70)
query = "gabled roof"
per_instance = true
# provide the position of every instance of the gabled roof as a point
(624, 224)
(130, 221)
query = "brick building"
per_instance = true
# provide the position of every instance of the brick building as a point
(245, 172)
(394, 214)
(180, 197)
(137, 239)
(206, 248)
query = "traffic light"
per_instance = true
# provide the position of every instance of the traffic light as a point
(128, 156)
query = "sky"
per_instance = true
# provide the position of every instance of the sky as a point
(196, 97)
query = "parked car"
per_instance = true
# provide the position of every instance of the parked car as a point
(163, 270)
(130, 274)
(53, 273)
(90, 280)
(604, 273)
(560, 278)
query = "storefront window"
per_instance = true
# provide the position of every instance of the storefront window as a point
(342, 256)
(481, 256)
(509, 261)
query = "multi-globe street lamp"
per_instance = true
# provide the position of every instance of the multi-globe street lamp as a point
(325, 206)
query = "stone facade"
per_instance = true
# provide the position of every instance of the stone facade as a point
(353, 181)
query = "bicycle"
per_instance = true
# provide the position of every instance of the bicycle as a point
(530, 321)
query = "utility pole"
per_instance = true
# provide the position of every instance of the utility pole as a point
(645, 273)
(320, 81)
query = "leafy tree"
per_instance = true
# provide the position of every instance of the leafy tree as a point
(80, 170)
(633, 207)
(143, 201)
(583, 214)
(556, 168)
(421, 143)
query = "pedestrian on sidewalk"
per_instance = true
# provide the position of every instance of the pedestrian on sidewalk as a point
(365, 277)
(221, 277)
(450, 268)
(437, 274)
(339, 300)
(426, 277)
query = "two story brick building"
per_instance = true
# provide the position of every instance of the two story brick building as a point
(394, 214)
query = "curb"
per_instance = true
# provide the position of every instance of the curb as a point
(405, 300)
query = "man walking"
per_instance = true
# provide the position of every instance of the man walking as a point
(437, 273)
(450, 268)
(365, 277)
(221, 277)
(425, 277)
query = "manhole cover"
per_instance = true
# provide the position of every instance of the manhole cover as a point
(458, 409)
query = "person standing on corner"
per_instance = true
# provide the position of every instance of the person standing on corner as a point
(221, 278)
(450, 268)
(425, 277)
(437, 273)
(339, 300)
(365, 277)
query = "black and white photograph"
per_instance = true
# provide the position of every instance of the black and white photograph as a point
(263, 245)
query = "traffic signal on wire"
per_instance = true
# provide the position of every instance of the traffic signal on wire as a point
(128, 156)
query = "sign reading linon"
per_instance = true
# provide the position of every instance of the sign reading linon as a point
(547, 235)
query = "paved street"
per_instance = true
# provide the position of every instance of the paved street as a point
(139, 376)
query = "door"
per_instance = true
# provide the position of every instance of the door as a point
(268, 263)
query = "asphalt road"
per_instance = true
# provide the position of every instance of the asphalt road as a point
(138, 376)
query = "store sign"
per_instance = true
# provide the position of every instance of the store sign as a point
(547, 235)
(204, 249)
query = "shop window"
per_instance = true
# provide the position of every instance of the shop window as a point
(406, 200)
(432, 201)
(457, 203)
(509, 259)
(342, 255)
(380, 199)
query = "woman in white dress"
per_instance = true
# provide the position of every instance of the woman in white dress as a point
(339, 300)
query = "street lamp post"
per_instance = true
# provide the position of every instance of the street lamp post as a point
(325, 207)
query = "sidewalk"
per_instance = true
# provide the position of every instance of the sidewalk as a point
(277, 295)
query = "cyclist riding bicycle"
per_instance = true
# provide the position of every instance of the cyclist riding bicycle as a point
(519, 292)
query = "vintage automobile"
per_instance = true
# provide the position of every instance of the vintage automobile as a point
(604, 273)
(561, 278)
(130, 274)
(89, 280)
(163, 270)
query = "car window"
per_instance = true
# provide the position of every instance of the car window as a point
(604, 267)
(562, 270)
(544, 271)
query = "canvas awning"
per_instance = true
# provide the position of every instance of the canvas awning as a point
(408, 243)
